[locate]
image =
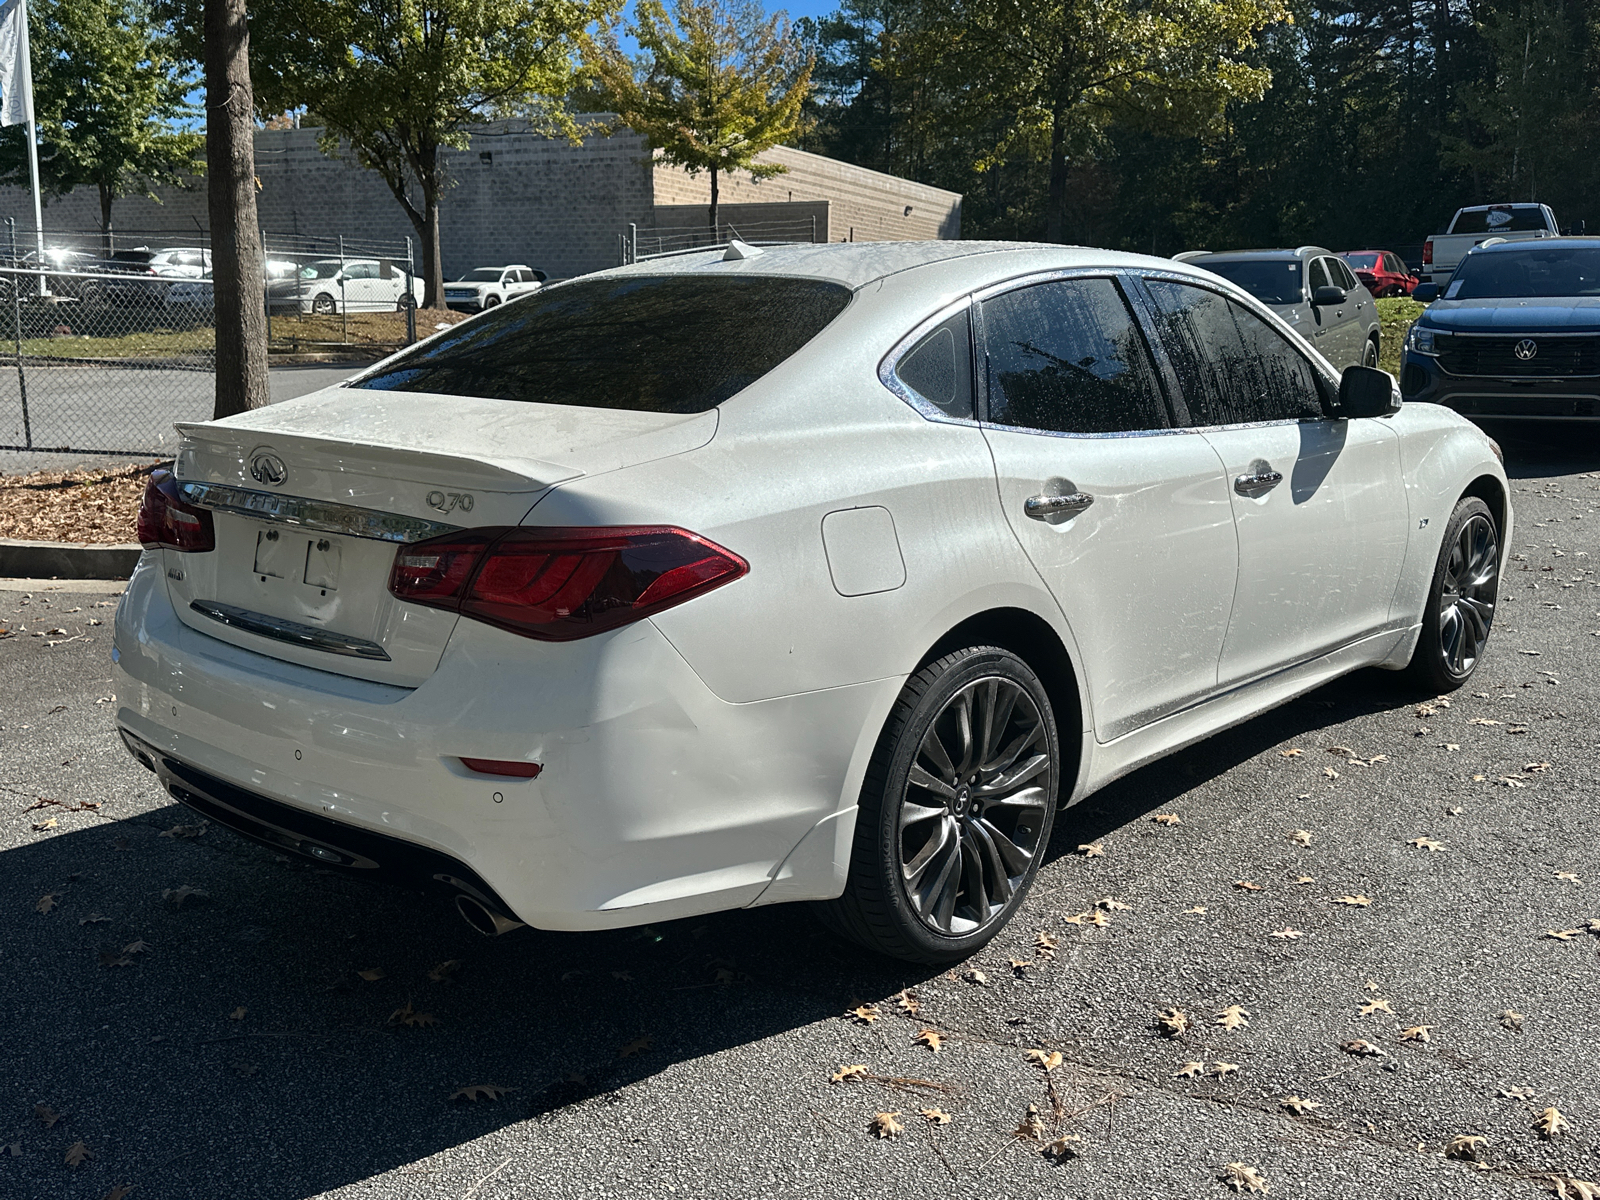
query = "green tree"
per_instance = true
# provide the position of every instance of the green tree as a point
(399, 81)
(106, 98)
(718, 83)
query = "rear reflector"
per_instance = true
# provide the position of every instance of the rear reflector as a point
(495, 766)
(559, 584)
(1427, 253)
(166, 521)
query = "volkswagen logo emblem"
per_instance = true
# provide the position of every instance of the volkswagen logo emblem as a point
(1526, 349)
(266, 467)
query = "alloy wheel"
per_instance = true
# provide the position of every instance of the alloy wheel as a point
(1467, 594)
(973, 806)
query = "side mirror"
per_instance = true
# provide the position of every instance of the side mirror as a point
(1367, 392)
(1328, 294)
(1425, 293)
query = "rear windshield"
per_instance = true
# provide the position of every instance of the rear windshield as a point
(1271, 281)
(1501, 218)
(133, 256)
(668, 344)
(1361, 262)
(1539, 270)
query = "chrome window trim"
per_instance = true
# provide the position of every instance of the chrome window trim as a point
(324, 516)
(890, 362)
(292, 632)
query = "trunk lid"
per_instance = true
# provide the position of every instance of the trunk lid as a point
(311, 499)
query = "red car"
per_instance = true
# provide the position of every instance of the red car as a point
(1383, 272)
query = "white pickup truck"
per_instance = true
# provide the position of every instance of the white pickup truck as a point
(1472, 226)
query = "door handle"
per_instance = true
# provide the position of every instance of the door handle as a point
(1042, 508)
(1258, 481)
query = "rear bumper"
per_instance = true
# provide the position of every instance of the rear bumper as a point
(1423, 381)
(657, 799)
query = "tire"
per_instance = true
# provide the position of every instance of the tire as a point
(406, 300)
(491, 302)
(941, 862)
(324, 305)
(1369, 356)
(1461, 601)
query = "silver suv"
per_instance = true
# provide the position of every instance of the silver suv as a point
(1310, 288)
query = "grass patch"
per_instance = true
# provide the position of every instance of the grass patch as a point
(1395, 316)
(154, 343)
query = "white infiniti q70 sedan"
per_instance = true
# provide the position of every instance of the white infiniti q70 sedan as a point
(820, 573)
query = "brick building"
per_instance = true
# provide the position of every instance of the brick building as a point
(520, 197)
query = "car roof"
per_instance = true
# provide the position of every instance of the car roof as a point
(1279, 254)
(1578, 243)
(857, 264)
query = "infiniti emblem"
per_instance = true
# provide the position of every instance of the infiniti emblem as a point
(1526, 349)
(266, 467)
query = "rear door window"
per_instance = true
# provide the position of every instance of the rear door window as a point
(1318, 275)
(1067, 357)
(1232, 367)
(1343, 277)
(669, 344)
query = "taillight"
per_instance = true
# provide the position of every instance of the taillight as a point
(166, 520)
(1427, 253)
(558, 584)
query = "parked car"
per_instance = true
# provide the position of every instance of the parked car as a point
(486, 287)
(192, 297)
(66, 273)
(520, 614)
(1474, 225)
(147, 272)
(332, 285)
(1515, 335)
(1381, 272)
(1310, 288)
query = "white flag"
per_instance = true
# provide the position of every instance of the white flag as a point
(16, 101)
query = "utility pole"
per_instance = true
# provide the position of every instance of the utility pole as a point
(236, 258)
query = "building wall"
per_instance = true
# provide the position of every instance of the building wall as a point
(518, 197)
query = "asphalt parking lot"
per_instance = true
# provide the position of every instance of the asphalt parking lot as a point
(263, 1037)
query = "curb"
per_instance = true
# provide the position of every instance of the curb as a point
(67, 560)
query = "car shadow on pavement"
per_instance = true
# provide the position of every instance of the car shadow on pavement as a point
(301, 1031)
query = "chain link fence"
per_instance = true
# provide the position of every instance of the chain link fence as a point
(637, 245)
(103, 349)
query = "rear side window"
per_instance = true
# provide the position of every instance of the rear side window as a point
(939, 367)
(1067, 357)
(1502, 218)
(668, 344)
(1345, 279)
(1232, 367)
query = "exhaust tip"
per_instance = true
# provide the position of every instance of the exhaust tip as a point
(485, 920)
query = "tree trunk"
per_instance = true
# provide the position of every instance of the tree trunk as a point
(713, 206)
(107, 246)
(432, 257)
(1056, 205)
(239, 289)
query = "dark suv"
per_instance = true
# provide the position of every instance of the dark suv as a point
(1516, 333)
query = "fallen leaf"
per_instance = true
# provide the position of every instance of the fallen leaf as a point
(411, 1018)
(94, 919)
(139, 947)
(884, 1125)
(1167, 819)
(1567, 1188)
(908, 1003)
(238, 1014)
(1330, 772)
(1097, 918)
(373, 974)
(1092, 850)
(41, 826)
(931, 1038)
(76, 1154)
(1245, 885)
(637, 1046)
(1302, 880)
(1197, 910)
(1536, 768)
(112, 959)
(627, 976)
(1047, 1060)
(973, 975)
(1298, 1106)
(1292, 752)
(179, 895)
(1568, 877)
(481, 1091)
(46, 1114)
(1234, 1017)
(1368, 1007)
(1190, 1070)
(1174, 1022)
(1301, 837)
(1550, 1123)
(1417, 1033)
(1511, 1020)
(846, 1074)
(445, 970)
(864, 1014)
(14, 1149)
(1068, 1145)
(1562, 935)
(1510, 781)
(1467, 1146)
(934, 1116)
(184, 831)
(1287, 934)
(1044, 944)
(1483, 721)
(1111, 905)
(1361, 1048)
(1030, 1126)
(1426, 843)
(121, 1190)
(1242, 1178)
(1357, 901)
(1222, 1070)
